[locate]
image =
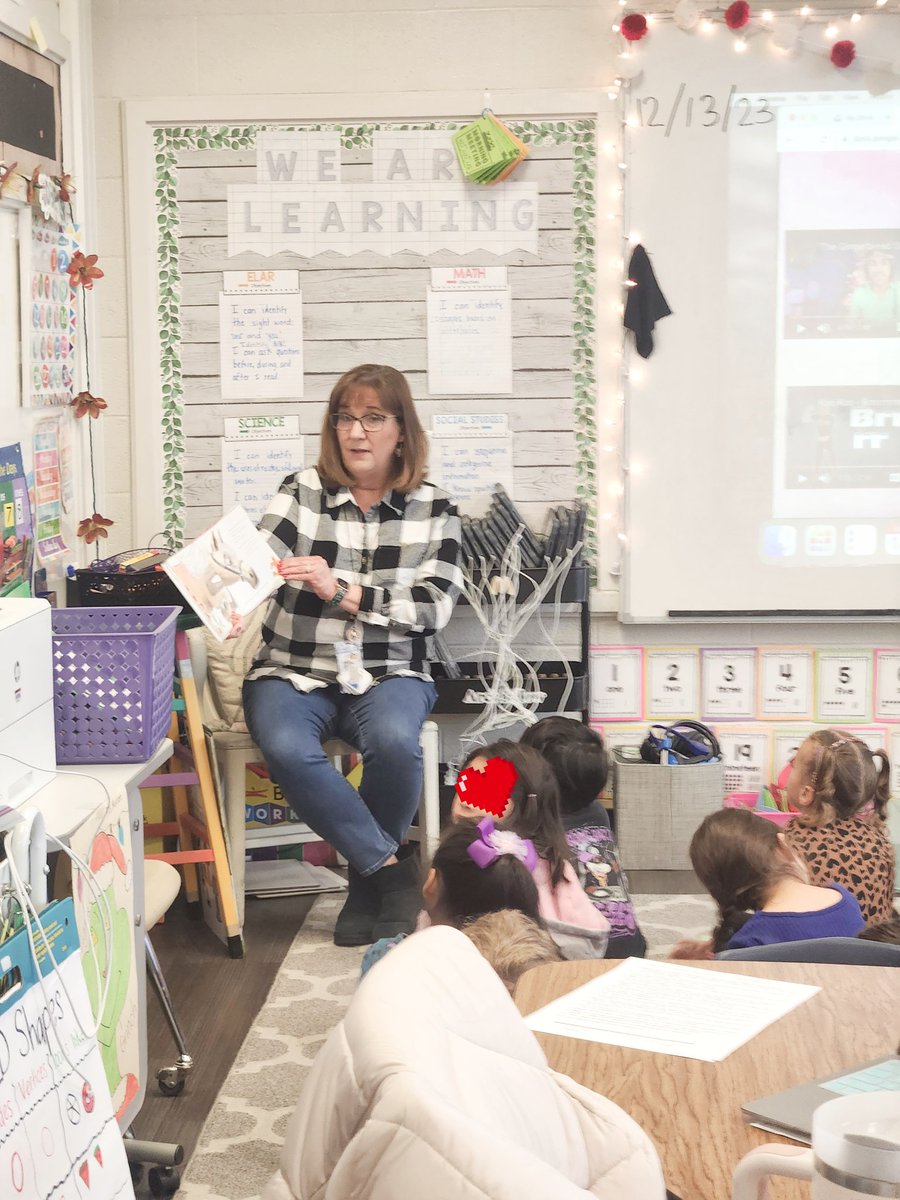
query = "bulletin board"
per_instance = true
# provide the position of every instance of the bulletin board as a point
(371, 307)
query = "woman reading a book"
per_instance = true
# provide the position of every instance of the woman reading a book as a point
(369, 554)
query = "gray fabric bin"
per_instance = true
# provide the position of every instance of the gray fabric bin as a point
(658, 808)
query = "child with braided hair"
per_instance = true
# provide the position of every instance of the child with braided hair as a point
(841, 798)
(761, 888)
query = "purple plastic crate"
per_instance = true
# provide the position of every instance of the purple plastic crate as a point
(112, 682)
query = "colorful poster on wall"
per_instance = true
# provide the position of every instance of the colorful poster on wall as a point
(51, 318)
(48, 490)
(58, 1135)
(16, 529)
(107, 930)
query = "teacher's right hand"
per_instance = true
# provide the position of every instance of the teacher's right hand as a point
(237, 626)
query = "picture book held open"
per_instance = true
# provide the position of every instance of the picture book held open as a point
(229, 570)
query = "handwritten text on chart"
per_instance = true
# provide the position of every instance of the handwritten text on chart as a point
(253, 470)
(704, 111)
(261, 346)
(469, 343)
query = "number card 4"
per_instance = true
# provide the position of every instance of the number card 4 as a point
(785, 683)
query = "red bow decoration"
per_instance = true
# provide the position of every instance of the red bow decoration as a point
(633, 27)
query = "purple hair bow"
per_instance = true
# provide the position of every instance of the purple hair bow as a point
(492, 842)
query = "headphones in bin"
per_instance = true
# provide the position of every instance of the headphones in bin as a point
(685, 742)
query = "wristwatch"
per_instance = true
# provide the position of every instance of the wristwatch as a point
(342, 586)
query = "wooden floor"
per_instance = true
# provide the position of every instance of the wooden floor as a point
(216, 999)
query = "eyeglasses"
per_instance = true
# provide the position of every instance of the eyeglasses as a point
(370, 421)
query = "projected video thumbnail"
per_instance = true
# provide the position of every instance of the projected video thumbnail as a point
(842, 283)
(842, 437)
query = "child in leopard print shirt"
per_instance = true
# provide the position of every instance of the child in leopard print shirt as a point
(841, 797)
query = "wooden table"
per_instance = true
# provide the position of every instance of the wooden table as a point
(692, 1109)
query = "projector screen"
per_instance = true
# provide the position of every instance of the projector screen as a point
(763, 433)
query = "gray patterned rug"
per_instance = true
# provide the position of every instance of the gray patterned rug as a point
(241, 1140)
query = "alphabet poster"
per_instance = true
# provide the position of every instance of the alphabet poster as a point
(58, 1136)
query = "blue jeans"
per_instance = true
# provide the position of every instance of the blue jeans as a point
(383, 724)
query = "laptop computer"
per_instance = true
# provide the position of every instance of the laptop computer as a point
(790, 1112)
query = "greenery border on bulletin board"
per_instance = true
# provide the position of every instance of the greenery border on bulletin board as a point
(170, 140)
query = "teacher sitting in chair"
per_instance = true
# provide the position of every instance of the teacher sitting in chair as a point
(370, 560)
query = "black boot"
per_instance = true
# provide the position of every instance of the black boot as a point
(399, 888)
(356, 920)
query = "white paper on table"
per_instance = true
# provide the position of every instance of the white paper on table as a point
(670, 1009)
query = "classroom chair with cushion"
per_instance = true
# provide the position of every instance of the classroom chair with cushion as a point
(219, 669)
(847, 950)
(432, 1084)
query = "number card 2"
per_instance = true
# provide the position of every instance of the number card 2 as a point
(672, 677)
(617, 682)
(785, 683)
(844, 685)
(887, 685)
(728, 683)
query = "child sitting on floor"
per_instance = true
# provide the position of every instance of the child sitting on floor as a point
(515, 783)
(841, 798)
(578, 759)
(761, 888)
(476, 869)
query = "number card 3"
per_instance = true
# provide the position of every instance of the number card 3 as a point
(728, 684)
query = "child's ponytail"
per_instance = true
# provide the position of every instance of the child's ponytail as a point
(731, 919)
(735, 855)
(478, 872)
(846, 782)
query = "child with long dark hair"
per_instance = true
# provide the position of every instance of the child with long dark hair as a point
(476, 869)
(579, 761)
(519, 787)
(761, 887)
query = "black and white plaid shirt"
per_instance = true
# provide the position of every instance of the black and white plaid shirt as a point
(404, 553)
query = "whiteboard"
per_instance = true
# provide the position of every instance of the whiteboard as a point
(763, 434)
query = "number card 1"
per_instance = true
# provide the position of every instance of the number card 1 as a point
(672, 677)
(844, 685)
(785, 683)
(728, 684)
(887, 685)
(617, 682)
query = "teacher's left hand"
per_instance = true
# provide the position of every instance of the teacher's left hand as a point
(312, 571)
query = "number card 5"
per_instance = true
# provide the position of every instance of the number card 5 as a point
(844, 691)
